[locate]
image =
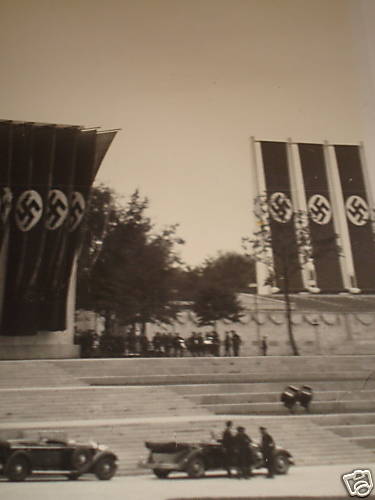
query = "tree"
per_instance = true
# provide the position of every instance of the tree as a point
(282, 259)
(218, 282)
(213, 303)
(125, 270)
(229, 270)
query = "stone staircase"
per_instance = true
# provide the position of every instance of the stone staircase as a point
(76, 403)
(153, 371)
(36, 373)
(124, 402)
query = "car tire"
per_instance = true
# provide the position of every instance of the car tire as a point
(105, 468)
(281, 464)
(18, 468)
(160, 473)
(196, 468)
(73, 476)
(80, 459)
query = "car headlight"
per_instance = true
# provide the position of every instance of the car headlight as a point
(102, 447)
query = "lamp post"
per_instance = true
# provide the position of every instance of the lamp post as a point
(254, 286)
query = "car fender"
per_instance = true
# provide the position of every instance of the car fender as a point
(195, 453)
(16, 454)
(285, 453)
(101, 454)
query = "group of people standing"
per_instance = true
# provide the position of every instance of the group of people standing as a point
(238, 452)
(170, 344)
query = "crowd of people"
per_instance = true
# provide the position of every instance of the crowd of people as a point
(238, 452)
(168, 344)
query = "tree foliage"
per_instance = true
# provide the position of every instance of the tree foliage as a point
(125, 268)
(213, 303)
(218, 282)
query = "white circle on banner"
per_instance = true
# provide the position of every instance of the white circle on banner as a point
(77, 210)
(357, 210)
(29, 209)
(280, 207)
(319, 209)
(5, 204)
(57, 210)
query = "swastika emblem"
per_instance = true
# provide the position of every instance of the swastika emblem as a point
(29, 209)
(280, 207)
(57, 210)
(77, 210)
(5, 204)
(357, 210)
(319, 209)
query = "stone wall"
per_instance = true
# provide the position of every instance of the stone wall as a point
(315, 333)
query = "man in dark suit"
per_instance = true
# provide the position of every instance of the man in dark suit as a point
(268, 448)
(243, 454)
(228, 447)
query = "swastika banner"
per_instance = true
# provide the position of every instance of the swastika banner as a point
(57, 221)
(54, 318)
(319, 206)
(357, 214)
(284, 245)
(30, 178)
(50, 170)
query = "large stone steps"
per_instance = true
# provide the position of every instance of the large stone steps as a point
(274, 397)
(19, 374)
(257, 387)
(250, 377)
(323, 407)
(93, 402)
(261, 364)
(158, 399)
(353, 430)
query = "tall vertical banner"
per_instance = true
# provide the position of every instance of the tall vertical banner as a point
(54, 316)
(357, 214)
(46, 173)
(278, 189)
(322, 232)
(31, 170)
(6, 132)
(57, 223)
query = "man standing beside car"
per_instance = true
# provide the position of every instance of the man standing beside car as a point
(228, 447)
(243, 453)
(268, 448)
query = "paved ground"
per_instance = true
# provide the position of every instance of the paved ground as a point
(308, 482)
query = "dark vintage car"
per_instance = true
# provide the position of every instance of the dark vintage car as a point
(196, 458)
(20, 458)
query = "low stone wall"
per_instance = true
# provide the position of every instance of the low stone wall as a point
(46, 345)
(315, 333)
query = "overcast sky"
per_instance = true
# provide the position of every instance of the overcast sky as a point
(188, 82)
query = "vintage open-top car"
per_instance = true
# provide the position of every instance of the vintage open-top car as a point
(20, 458)
(196, 458)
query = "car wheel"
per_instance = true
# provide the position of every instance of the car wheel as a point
(81, 457)
(105, 468)
(196, 468)
(17, 469)
(160, 473)
(281, 464)
(74, 476)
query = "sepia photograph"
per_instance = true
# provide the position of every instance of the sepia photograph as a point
(187, 249)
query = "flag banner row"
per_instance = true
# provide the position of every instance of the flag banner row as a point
(46, 175)
(326, 212)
